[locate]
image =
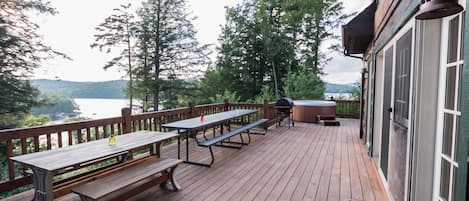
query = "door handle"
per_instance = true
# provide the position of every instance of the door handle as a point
(390, 109)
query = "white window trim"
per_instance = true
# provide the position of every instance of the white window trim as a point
(441, 107)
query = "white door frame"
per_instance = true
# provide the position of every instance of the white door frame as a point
(410, 25)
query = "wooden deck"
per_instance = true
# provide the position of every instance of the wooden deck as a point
(307, 162)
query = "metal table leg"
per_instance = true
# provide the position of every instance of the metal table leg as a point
(188, 132)
(42, 180)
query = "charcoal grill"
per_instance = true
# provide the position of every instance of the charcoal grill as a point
(284, 107)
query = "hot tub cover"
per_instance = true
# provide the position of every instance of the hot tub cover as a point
(313, 103)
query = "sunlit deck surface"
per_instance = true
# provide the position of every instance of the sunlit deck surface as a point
(307, 162)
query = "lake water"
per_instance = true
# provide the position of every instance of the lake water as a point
(346, 96)
(95, 108)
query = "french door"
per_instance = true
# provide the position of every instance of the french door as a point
(449, 107)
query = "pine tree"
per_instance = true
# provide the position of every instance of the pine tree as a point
(118, 31)
(21, 52)
(167, 46)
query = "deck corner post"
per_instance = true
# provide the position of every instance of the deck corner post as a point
(266, 112)
(191, 109)
(126, 120)
(226, 104)
(265, 107)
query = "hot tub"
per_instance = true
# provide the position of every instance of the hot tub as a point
(307, 110)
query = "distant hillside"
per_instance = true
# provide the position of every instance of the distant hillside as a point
(115, 88)
(339, 88)
(107, 89)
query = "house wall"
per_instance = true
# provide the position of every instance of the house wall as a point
(426, 93)
(390, 16)
(381, 11)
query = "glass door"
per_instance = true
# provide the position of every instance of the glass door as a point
(399, 125)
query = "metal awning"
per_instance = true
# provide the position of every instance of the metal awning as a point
(358, 32)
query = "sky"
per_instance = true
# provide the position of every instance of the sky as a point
(71, 32)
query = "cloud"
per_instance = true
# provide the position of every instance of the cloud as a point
(342, 69)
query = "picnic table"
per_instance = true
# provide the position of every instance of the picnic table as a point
(190, 125)
(46, 164)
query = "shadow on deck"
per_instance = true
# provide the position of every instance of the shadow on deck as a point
(307, 162)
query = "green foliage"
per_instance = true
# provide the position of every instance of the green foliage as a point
(75, 119)
(356, 92)
(21, 52)
(57, 107)
(304, 85)
(8, 121)
(267, 93)
(177, 93)
(231, 96)
(212, 83)
(36, 120)
(264, 41)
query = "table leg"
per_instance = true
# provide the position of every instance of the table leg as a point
(179, 144)
(187, 144)
(155, 149)
(42, 181)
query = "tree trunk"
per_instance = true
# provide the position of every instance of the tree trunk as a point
(156, 95)
(130, 68)
(316, 47)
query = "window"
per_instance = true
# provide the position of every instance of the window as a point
(450, 74)
(402, 79)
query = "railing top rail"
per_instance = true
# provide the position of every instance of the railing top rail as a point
(247, 104)
(210, 105)
(18, 133)
(350, 101)
(158, 113)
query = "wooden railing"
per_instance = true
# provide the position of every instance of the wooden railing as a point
(35, 139)
(348, 108)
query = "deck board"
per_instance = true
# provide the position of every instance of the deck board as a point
(306, 162)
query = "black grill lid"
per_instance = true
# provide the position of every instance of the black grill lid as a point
(284, 102)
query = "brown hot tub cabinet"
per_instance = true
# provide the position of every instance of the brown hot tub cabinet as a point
(308, 110)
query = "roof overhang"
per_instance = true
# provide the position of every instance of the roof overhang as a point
(358, 33)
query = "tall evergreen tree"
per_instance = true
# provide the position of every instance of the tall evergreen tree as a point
(117, 31)
(168, 48)
(21, 52)
(264, 40)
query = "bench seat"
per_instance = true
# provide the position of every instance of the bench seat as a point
(232, 133)
(126, 183)
(221, 138)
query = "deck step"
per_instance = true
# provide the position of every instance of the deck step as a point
(330, 122)
(326, 117)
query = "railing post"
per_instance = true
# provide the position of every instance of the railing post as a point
(126, 120)
(191, 110)
(227, 104)
(266, 109)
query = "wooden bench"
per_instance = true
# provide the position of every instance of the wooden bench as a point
(222, 138)
(126, 183)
